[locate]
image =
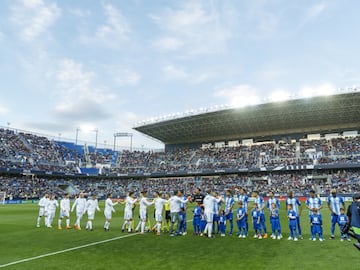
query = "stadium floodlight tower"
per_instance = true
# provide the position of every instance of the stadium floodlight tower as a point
(86, 128)
(123, 134)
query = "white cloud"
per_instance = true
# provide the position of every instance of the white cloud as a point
(115, 24)
(313, 13)
(77, 94)
(169, 43)
(239, 95)
(316, 10)
(175, 73)
(113, 32)
(80, 12)
(3, 110)
(273, 73)
(1, 36)
(172, 72)
(266, 25)
(203, 77)
(124, 76)
(196, 27)
(34, 17)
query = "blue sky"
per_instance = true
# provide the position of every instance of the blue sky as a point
(110, 64)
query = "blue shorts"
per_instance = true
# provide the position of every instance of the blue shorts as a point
(229, 216)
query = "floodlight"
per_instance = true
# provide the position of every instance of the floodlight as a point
(241, 102)
(307, 92)
(87, 128)
(325, 90)
(279, 96)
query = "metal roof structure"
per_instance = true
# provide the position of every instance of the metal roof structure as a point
(322, 114)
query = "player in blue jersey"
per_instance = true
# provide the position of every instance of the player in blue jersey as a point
(182, 221)
(222, 223)
(273, 204)
(313, 202)
(261, 205)
(335, 202)
(297, 208)
(196, 220)
(342, 220)
(229, 204)
(256, 217)
(275, 221)
(316, 225)
(292, 218)
(240, 220)
(244, 198)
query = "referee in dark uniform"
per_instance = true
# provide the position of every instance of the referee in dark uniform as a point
(198, 197)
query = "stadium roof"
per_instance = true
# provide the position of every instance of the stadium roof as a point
(321, 114)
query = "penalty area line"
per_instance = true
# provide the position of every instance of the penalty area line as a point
(66, 250)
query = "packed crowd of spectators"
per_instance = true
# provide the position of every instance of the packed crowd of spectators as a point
(31, 152)
(25, 187)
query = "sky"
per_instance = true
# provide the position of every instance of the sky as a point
(66, 65)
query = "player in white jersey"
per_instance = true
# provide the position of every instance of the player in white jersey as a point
(92, 205)
(42, 210)
(144, 203)
(297, 208)
(175, 207)
(159, 205)
(64, 211)
(51, 206)
(109, 209)
(128, 213)
(335, 202)
(209, 205)
(80, 205)
(139, 223)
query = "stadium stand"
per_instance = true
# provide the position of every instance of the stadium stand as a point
(280, 155)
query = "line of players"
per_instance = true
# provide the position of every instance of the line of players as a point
(222, 217)
(208, 214)
(48, 205)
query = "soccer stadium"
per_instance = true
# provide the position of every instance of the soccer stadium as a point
(300, 145)
(179, 135)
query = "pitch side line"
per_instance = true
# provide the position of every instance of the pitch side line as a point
(69, 249)
(66, 250)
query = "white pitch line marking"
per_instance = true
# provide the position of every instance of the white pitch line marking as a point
(69, 249)
(66, 250)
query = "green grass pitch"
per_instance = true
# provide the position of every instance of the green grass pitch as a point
(20, 239)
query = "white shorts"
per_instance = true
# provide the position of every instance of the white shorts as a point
(108, 215)
(79, 214)
(142, 215)
(42, 212)
(158, 216)
(91, 215)
(209, 217)
(51, 214)
(128, 215)
(64, 213)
